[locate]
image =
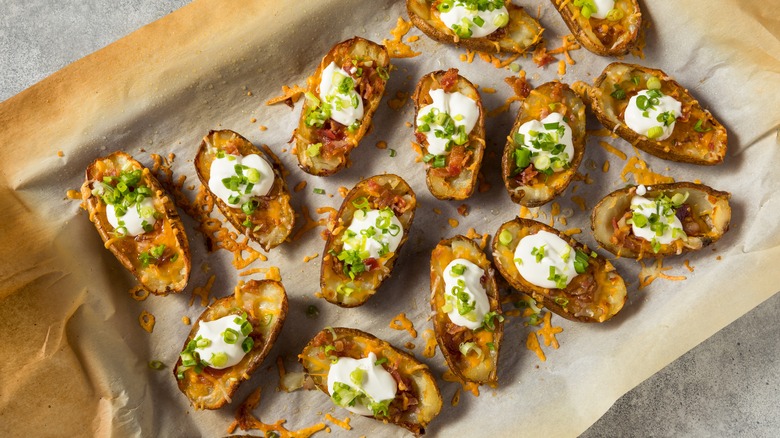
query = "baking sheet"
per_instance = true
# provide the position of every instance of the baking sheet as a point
(80, 358)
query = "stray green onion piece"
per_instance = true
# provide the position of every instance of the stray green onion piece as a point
(156, 365)
(319, 191)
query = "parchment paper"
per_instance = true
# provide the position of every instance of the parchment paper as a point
(75, 358)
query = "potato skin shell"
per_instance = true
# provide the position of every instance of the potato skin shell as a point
(685, 144)
(275, 216)
(524, 31)
(441, 256)
(461, 186)
(423, 381)
(581, 27)
(616, 203)
(367, 283)
(254, 296)
(610, 291)
(305, 136)
(535, 107)
(127, 249)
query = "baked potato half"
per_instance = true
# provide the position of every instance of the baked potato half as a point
(341, 98)
(453, 163)
(467, 316)
(138, 222)
(517, 32)
(371, 227)
(568, 278)
(251, 318)
(542, 154)
(702, 217)
(265, 215)
(694, 136)
(607, 33)
(328, 358)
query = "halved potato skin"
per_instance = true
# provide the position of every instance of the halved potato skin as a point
(274, 218)
(380, 191)
(596, 295)
(521, 34)
(261, 300)
(170, 276)
(710, 210)
(536, 107)
(450, 335)
(601, 36)
(685, 144)
(328, 163)
(456, 180)
(405, 368)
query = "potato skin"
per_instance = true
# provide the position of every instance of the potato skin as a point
(486, 371)
(580, 300)
(711, 206)
(274, 218)
(395, 193)
(620, 38)
(520, 35)
(305, 136)
(440, 183)
(356, 344)
(258, 298)
(536, 107)
(685, 144)
(173, 276)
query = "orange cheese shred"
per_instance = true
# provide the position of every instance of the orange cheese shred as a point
(289, 96)
(613, 150)
(456, 398)
(203, 292)
(396, 48)
(548, 331)
(344, 424)
(643, 174)
(401, 322)
(430, 343)
(146, 320)
(532, 343)
(138, 293)
(247, 421)
(648, 274)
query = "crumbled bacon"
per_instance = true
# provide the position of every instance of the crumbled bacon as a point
(231, 148)
(371, 263)
(527, 175)
(541, 57)
(449, 80)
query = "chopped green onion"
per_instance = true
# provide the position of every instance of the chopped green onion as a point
(619, 93)
(218, 359)
(314, 150)
(655, 132)
(653, 83)
(319, 191)
(514, 67)
(615, 14)
(501, 20)
(505, 237)
(156, 365)
(312, 311)
(458, 269)
(380, 361)
(230, 336)
(698, 127)
(357, 375)
(393, 153)
(247, 345)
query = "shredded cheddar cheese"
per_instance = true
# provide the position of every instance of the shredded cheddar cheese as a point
(649, 274)
(572, 231)
(300, 186)
(401, 322)
(203, 292)
(289, 96)
(396, 48)
(430, 343)
(186, 320)
(489, 90)
(611, 149)
(561, 68)
(471, 387)
(146, 320)
(344, 424)
(308, 224)
(603, 132)
(532, 343)
(73, 195)
(605, 166)
(548, 331)
(381, 144)
(453, 222)
(247, 421)
(580, 201)
(688, 266)
(138, 293)
(643, 174)
(456, 398)
(343, 191)
(307, 259)
(417, 149)
(468, 57)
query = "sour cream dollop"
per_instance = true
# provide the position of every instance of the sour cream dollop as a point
(213, 331)
(461, 109)
(372, 380)
(549, 140)
(655, 121)
(234, 188)
(337, 88)
(655, 221)
(602, 8)
(373, 233)
(463, 290)
(134, 219)
(538, 254)
(475, 23)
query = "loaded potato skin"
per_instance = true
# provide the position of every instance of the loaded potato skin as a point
(611, 32)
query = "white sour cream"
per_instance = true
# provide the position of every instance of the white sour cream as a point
(134, 218)
(535, 131)
(640, 123)
(346, 108)
(463, 110)
(222, 168)
(555, 250)
(459, 15)
(212, 330)
(377, 384)
(473, 288)
(602, 8)
(647, 207)
(367, 236)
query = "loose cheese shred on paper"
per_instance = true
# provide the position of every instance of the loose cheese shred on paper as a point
(203, 292)
(381, 144)
(396, 48)
(688, 266)
(247, 421)
(73, 194)
(603, 132)
(289, 96)
(344, 424)
(430, 343)
(468, 57)
(418, 149)
(532, 343)
(307, 259)
(580, 201)
(453, 222)
(396, 103)
(611, 149)
(649, 274)
(643, 174)
(401, 322)
(146, 320)
(568, 43)
(572, 231)
(138, 293)
(548, 331)
(300, 186)
(186, 320)
(605, 166)
(471, 387)
(456, 398)
(308, 224)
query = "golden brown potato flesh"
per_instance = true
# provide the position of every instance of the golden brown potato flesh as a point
(454, 176)
(160, 257)
(351, 284)
(704, 214)
(697, 137)
(614, 35)
(595, 295)
(527, 185)
(417, 401)
(522, 32)
(323, 146)
(265, 305)
(270, 218)
(479, 364)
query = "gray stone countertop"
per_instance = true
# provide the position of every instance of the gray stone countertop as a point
(727, 386)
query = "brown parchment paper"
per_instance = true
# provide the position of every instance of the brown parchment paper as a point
(75, 357)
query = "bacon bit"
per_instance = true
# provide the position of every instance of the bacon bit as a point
(186, 320)
(541, 57)
(609, 148)
(289, 96)
(307, 259)
(409, 346)
(561, 67)
(580, 202)
(605, 167)
(532, 343)
(264, 128)
(401, 97)
(60, 154)
(688, 266)
(247, 421)
(489, 90)
(521, 89)
(471, 387)
(643, 174)
(548, 331)
(430, 343)
(138, 293)
(344, 424)
(401, 322)
(418, 149)
(436, 210)
(572, 231)
(453, 222)
(395, 47)
(649, 274)
(381, 144)
(463, 210)
(146, 320)
(468, 57)
(300, 186)
(203, 292)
